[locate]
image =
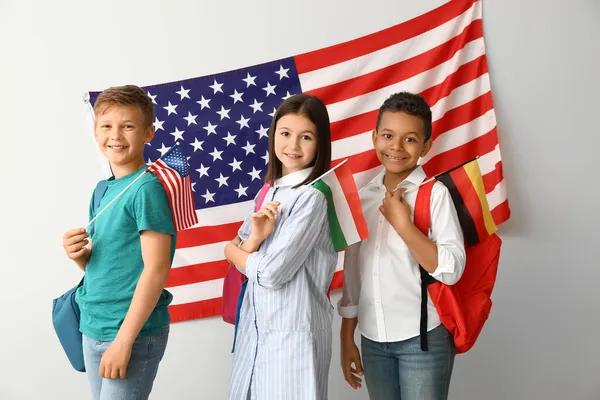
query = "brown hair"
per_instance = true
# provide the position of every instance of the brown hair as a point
(129, 95)
(315, 110)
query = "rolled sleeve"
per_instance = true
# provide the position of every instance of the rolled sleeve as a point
(448, 237)
(252, 263)
(348, 311)
(348, 304)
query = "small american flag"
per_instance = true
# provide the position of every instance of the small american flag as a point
(172, 171)
(222, 122)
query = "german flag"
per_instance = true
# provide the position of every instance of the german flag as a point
(468, 194)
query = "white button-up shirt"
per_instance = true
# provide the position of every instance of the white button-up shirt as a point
(382, 282)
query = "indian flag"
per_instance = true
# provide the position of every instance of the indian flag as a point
(346, 221)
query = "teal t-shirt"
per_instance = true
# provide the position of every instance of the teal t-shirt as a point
(116, 263)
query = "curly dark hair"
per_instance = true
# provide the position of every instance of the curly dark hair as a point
(409, 103)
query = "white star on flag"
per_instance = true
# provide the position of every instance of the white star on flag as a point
(203, 171)
(216, 154)
(209, 196)
(255, 174)
(270, 89)
(177, 134)
(236, 165)
(241, 191)
(171, 108)
(263, 132)
(210, 128)
(236, 96)
(216, 87)
(163, 149)
(256, 106)
(283, 72)
(203, 103)
(230, 139)
(158, 125)
(249, 80)
(183, 93)
(224, 113)
(243, 122)
(153, 97)
(191, 119)
(222, 180)
(249, 148)
(197, 145)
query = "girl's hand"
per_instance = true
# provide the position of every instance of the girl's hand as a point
(263, 221)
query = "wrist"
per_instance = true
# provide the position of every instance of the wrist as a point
(253, 243)
(124, 340)
(347, 330)
(402, 226)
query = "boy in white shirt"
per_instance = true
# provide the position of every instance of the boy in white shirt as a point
(382, 277)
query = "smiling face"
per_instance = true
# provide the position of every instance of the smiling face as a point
(295, 142)
(121, 135)
(399, 143)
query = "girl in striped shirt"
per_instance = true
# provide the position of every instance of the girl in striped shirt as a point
(283, 342)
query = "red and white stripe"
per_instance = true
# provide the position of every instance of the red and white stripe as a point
(440, 55)
(179, 192)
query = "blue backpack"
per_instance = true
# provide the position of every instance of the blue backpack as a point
(65, 311)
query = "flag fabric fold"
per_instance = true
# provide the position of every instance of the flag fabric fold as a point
(172, 171)
(467, 190)
(347, 223)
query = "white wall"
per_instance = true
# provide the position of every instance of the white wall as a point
(541, 339)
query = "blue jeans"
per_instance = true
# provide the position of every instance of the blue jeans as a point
(146, 354)
(402, 371)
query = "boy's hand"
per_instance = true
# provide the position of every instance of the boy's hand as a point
(263, 221)
(115, 359)
(74, 242)
(351, 356)
(395, 209)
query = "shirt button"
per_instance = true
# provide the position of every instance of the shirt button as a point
(375, 274)
(377, 247)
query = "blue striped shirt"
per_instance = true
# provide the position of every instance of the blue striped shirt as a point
(283, 347)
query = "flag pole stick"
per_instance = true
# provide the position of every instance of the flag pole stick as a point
(116, 197)
(328, 172)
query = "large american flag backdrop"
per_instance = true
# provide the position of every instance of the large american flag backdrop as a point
(221, 122)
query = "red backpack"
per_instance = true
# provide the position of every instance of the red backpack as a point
(463, 307)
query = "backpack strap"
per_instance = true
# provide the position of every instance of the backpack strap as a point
(97, 196)
(261, 196)
(422, 220)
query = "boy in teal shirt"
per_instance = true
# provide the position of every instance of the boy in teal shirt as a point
(123, 303)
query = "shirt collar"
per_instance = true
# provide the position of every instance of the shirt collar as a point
(294, 178)
(415, 178)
